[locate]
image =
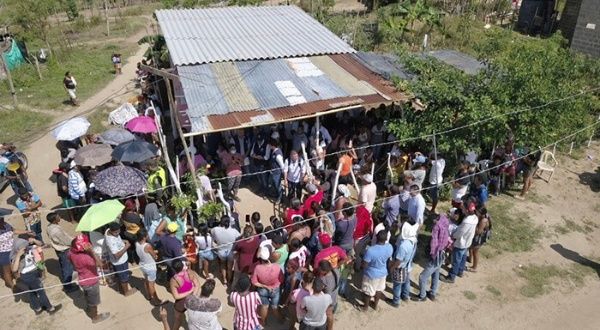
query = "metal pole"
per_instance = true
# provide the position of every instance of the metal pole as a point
(10, 81)
(435, 156)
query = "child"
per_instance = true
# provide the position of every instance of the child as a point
(191, 249)
(296, 313)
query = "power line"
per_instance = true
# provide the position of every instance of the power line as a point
(317, 217)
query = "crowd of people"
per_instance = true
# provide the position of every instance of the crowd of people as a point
(350, 214)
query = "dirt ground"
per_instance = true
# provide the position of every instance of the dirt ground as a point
(488, 299)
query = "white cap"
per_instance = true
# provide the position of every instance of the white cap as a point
(368, 177)
(263, 253)
(275, 135)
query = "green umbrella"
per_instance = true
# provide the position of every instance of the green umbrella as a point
(100, 214)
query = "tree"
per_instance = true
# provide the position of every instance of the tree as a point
(32, 16)
(397, 19)
(70, 7)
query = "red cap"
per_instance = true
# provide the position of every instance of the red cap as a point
(472, 207)
(325, 239)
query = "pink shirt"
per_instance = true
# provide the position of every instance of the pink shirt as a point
(269, 275)
(85, 266)
(245, 316)
(297, 296)
(233, 163)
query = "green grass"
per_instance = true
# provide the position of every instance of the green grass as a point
(494, 291)
(538, 279)
(571, 226)
(469, 295)
(17, 125)
(99, 120)
(90, 65)
(511, 231)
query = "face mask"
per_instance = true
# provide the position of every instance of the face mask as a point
(232, 151)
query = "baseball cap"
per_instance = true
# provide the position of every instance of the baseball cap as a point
(172, 227)
(420, 159)
(368, 177)
(325, 239)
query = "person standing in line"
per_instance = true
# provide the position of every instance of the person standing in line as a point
(344, 229)
(437, 247)
(391, 205)
(247, 306)
(416, 205)
(205, 250)
(201, 310)
(294, 308)
(62, 189)
(7, 242)
(463, 237)
(267, 278)
(70, 85)
(294, 172)
(148, 257)
(86, 265)
(374, 265)
(61, 242)
(318, 308)
(77, 189)
(233, 162)
(223, 237)
(401, 265)
(117, 252)
(26, 263)
(183, 283)
(482, 233)
(277, 168)
(368, 192)
(435, 179)
(29, 205)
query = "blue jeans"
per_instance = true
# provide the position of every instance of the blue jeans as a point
(342, 286)
(431, 270)
(401, 290)
(459, 259)
(37, 299)
(66, 269)
(262, 177)
(269, 297)
(36, 228)
(276, 180)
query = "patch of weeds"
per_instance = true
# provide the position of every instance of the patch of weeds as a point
(569, 226)
(512, 231)
(577, 153)
(561, 230)
(589, 224)
(538, 279)
(19, 125)
(494, 291)
(98, 120)
(469, 295)
(539, 199)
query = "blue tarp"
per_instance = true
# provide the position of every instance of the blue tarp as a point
(13, 58)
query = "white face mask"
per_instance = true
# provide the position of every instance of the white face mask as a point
(232, 151)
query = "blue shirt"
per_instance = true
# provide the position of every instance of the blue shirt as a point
(376, 257)
(392, 209)
(406, 253)
(22, 206)
(482, 194)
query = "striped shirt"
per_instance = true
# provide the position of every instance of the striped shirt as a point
(77, 187)
(245, 316)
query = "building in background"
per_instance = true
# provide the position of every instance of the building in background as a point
(580, 24)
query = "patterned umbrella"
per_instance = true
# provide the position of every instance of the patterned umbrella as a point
(120, 181)
(93, 155)
(136, 151)
(142, 124)
(71, 129)
(116, 136)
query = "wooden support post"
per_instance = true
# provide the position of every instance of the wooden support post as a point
(10, 82)
(571, 148)
(37, 67)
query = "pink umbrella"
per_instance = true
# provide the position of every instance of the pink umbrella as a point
(141, 124)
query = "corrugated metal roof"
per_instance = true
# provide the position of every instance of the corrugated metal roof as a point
(196, 36)
(237, 95)
(202, 93)
(349, 83)
(387, 65)
(461, 61)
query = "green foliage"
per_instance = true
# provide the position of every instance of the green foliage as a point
(396, 20)
(182, 202)
(522, 73)
(31, 15)
(70, 7)
(210, 210)
(157, 51)
(245, 2)
(18, 125)
(359, 31)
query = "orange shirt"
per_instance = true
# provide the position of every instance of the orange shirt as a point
(346, 162)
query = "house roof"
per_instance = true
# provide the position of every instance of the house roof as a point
(227, 95)
(208, 35)
(460, 61)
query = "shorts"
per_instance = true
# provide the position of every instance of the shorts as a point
(122, 272)
(225, 255)
(72, 93)
(149, 274)
(372, 285)
(269, 297)
(208, 255)
(5, 258)
(434, 193)
(68, 202)
(179, 305)
(91, 295)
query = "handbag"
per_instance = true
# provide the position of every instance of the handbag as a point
(400, 274)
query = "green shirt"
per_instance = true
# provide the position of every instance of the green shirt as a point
(181, 227)
(283, 253)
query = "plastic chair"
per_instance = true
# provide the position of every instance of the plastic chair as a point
(547, 163)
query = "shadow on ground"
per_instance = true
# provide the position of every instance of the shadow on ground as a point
(576, 257)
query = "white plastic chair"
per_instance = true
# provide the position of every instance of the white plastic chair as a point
(547, 163)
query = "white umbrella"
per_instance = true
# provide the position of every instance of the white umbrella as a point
(71, 129)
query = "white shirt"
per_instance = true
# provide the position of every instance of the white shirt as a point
(114, 244)
(463, 236)
(416, 208)
(295, 170)
(323, 134)
(203, 243)
(436, 172)
(368, 194)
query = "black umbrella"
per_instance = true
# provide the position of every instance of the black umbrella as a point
(116, 136)
(136, 151)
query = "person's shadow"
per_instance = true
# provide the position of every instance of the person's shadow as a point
(576, 257)
(591, 179)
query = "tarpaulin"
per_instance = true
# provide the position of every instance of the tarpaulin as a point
(13, 58)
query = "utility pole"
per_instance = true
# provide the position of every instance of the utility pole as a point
(10, 81)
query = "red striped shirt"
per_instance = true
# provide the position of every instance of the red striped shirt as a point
(245, 316)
